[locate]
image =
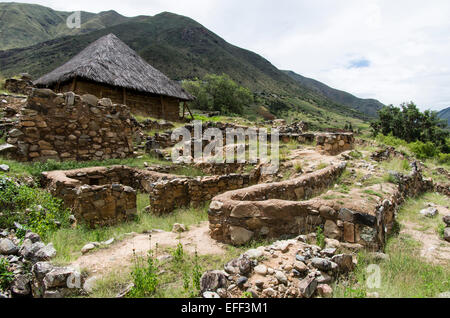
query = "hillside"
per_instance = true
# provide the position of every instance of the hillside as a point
(24, 25)
(445, 114)
(366, 106)
(179, 47)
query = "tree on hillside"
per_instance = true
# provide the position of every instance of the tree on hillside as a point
(407, 122)
(219, 93)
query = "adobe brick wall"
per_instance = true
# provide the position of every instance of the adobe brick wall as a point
(71, 127)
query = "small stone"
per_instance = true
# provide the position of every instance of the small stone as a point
(4, 168)
(378, 256)
(446, 220)
(261, 270)
(300, 267)
(281, 277)
(108, 242)
(447, 234)
(307, 286)
(300, 258)
(87, 248)
(209, 295)
(241, 281)
(7, 247)
(344, 262)
(430, 212)
(329, 252)
(89, 284)
(324, 290)
(33, 237)
(178, 228)
(323, 264)
(46, 253)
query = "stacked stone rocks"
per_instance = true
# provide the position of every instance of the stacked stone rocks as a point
(22, 85)
(334, 143)
(446, 220)
(285, 269)
(71, 127)
(44, 279)
(167, 195)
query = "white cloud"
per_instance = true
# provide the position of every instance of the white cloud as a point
(407, 42)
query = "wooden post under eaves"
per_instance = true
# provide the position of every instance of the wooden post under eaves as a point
(74, 84)
(190, 113)
(184, 109)
(162, 107)
(124, 96)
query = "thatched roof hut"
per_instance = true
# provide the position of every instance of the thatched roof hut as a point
(109, 68)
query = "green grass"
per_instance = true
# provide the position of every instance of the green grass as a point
(68, 242)
(35, 169)
(406, 274)
(397, 165)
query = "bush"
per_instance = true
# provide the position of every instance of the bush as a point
(145, 276)
(33, 208)
(444, 158)
(219, 93)
(423, 150)
(6, 277)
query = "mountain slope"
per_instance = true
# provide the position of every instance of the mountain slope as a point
(23, 25)
(367, 106)
(445, 114)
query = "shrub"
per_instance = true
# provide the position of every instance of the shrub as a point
(145, 276)
(33, 208)
(423, 150)
(6, 277)
(320, 237)
(444, 158)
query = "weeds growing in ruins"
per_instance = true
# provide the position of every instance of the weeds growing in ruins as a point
(320, 237)
(6, 277)
(145, 276)
(32, 208)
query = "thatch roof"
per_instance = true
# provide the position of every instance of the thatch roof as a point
(110, 61)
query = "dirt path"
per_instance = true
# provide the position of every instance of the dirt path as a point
(120, 254)
(434, 249)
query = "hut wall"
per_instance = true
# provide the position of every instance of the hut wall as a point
(143, 104)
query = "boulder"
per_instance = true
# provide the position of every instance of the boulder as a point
(307, 286)
(344, 262)
(213, 280)
(7, 247)
(21, 286)
(87, 248)
(324, 291)
(241, 265)
(323, 264)
(447, 234)
(239, 235)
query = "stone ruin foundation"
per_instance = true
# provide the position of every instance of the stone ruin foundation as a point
(103, 196)
(287, 209)
(71, 127)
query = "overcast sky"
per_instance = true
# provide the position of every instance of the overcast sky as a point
(391, 50)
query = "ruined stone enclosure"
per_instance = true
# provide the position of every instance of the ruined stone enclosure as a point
(103, 196)
(288, 209)
(71, 127)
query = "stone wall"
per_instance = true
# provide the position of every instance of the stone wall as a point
(101, 196)
(167, 195)
(71, 127)
(22, 85)
(274, 211)
(334, 143)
